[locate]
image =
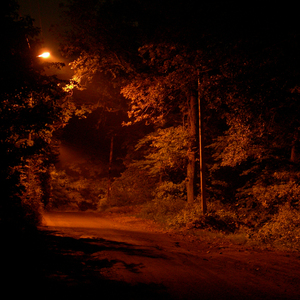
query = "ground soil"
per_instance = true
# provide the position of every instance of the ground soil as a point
(121, 256)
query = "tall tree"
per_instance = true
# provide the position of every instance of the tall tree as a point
(168, 92)
(145, 41)
(152, 52)
(257, 97)
(32, 107)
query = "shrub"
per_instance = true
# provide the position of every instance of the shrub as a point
(217, 218)
(277, 188)
(134, 186)
(283, 230)
(169, 199)
(77, 188)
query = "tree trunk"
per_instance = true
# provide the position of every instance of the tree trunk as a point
(191, 166)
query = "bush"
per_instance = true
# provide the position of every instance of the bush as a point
(21, 199)
(169, 199)
(77, 188)
(271, 190)
(217, 218)
(133, 187)
(283, 230)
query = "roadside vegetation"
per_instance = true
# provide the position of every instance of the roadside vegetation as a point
(152, 68)
(244, 73)
(136, 191)
(261, 227)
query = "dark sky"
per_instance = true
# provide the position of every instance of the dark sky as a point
(46, 13)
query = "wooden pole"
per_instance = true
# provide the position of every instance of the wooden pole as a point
(201, 151)
(109, 167)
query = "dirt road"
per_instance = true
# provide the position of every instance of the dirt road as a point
(143, 262)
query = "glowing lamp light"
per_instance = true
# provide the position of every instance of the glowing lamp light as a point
(45, 55)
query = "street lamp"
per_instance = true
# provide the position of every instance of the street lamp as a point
(44, 55)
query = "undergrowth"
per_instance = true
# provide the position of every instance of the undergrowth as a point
(281, 231)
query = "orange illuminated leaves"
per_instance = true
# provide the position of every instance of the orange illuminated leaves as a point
(147, 98)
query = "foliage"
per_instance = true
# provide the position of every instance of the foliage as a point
(77, 186)
(33, 106)
(101, 46)
(154, 72)
(254, 167)
(218, 218)
(283, 230)
(168, 201)
(272, 189)
(161, 91)
(244, 65)
(133, 187)
(161, 165)
(165, 152)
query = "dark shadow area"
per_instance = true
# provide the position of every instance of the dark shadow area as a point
(49, 266)
(93, 245)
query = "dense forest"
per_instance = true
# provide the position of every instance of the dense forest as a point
(202, 101)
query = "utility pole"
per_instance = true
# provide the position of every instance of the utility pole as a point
(201, 152)
(109, 167)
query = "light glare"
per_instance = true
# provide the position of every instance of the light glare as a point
(44, 55)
